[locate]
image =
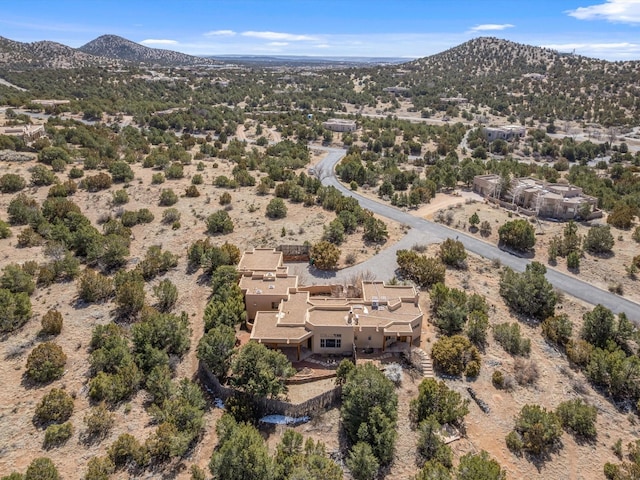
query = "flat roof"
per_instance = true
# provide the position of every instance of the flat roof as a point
(391, 292)
(260, 259)
(261, 285)
(267, 330)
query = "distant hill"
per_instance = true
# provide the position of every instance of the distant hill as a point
(523, 81)
(104, 50)
(113, 46)
(44, 54)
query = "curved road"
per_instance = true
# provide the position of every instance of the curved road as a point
(424, 231)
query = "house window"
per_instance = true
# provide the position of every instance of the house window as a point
(330, 343)
(275, 305)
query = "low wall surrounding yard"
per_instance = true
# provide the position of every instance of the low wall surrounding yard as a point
(268, 406)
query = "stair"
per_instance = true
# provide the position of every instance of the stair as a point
(423, 363)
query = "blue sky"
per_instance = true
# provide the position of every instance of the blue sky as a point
(607, 29)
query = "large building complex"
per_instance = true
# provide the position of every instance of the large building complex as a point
(552, 200)
(280, 313)
(340, 125)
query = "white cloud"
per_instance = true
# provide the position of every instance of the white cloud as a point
(491, 27)
(278, 44)
(623, 11)
(290, 37)
(322, 45)
(154, 41)
(220, 33)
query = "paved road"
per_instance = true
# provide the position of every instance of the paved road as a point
(424, 231)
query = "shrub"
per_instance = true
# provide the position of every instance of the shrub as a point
(325, 255)
(167, 295)
(145, 216)
(225, 198)
(174, 171)
(46, 362)
(101, 181)
(129, 218)
(485, 228)
(11, 183)
(529, 293)
(497, 378)
(168, 197)
(56, 435)
(157, 178)
(509, 337)
(525, 372)
(636, 235)
(55, 407)
(120, 197)
(99, 421)
(15, 310)
(573, 260)
(42, 176)
(192, 191)
(219, 222)
(558, 329)
(170, 215)
(514, 441)
(578, 417)
(197, 178)
(16, 280)
(452, 253)
(421, 269)
(23, 210)
(517, 234)
(125, 450)
(130, 295)
(5, 230)
(52, 322)
(622, 216)
(436, 400)
(99, 468)
(599, 240)
(156, 262)
(121, 172)
(456, 355)
(539, 429)
(94, 287)
(42, 469)
(76, 172)
(276, 208)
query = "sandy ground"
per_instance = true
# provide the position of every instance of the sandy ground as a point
(20, 440)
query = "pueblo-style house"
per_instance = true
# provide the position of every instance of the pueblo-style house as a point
(281, 313)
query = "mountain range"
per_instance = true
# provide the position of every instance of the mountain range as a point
(104, 50)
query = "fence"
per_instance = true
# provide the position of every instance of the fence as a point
(294, 253)
(267, 406)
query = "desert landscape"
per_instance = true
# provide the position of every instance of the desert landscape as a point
(131, 198)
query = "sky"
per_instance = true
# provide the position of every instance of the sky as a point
(607, 29)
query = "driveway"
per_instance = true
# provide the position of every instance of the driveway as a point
(383, 265)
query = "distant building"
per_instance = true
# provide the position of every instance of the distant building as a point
(27, 132)
(551, 200)
(508, 132)
(282, 314)
(340, 125)
(395, 90)
(454, 100)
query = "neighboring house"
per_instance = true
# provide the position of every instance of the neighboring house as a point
(508, 132)
(459, 100)
(27, 132)
(395, 90)
(340, 125)
(282, 314)
(552, 200)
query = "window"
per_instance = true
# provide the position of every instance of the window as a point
(330, 343)
(275, 305)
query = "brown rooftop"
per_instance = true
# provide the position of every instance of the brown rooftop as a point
(260, 259)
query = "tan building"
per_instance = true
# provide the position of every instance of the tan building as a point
(27, 132)
(282, 314)
(508, 132)
(552, 200)
(340, 125)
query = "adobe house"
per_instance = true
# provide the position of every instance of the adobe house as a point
(551, 200)
(340, 125)
(280, 313)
